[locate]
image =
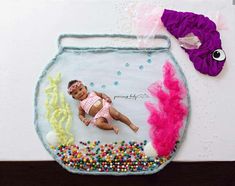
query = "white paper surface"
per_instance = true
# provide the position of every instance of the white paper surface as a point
(28, 35)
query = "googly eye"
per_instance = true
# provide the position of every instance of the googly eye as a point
(218, 55)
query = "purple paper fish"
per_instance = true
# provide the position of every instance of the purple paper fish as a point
(198, 36)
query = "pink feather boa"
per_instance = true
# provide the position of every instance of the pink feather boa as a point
(167, 119)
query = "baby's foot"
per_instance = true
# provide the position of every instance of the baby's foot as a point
(134, 127)
(115, 129)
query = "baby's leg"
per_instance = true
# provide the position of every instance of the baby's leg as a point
(102, 124)
(121, 117)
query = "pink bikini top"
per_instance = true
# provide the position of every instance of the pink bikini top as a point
(87, 103)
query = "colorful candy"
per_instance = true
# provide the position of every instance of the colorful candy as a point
(115, 157)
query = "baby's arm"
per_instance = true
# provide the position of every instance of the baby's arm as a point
(104, 96)
(82, 116)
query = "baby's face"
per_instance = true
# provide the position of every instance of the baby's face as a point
(80, 93)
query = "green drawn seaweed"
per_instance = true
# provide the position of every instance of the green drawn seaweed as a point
(58, 112)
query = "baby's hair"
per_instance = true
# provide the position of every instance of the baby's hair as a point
(72, 82)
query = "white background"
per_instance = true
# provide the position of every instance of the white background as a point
(28, 41)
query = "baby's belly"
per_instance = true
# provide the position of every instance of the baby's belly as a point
(98, 105)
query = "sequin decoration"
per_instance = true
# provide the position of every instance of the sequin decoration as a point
(119, 73)
(92, 84)
(127, 65)
(103, 86)
(149, 61)
(141, 67)
(116, 83)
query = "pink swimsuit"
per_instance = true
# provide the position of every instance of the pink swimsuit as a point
(91, 99)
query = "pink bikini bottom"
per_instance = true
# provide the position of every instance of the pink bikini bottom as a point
(104, 112)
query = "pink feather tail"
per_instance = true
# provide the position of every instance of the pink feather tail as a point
(166, 118)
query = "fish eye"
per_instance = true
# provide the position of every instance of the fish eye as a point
(218, 55)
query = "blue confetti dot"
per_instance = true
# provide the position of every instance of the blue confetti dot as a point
(103, 86)
(149, 61)
(141, 67)
(116, 83)
(92, 84)
(119, 73)
(127, 64)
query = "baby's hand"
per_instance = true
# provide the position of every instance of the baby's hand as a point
(86, 121)
(108, 99)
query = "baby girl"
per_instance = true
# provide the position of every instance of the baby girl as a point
(97, 105)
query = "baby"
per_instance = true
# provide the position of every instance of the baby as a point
(97, 105)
